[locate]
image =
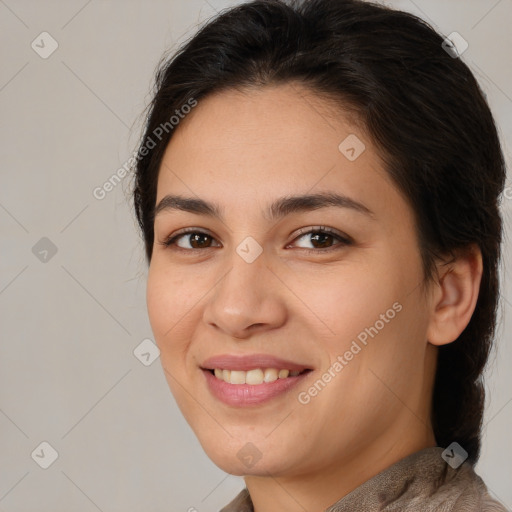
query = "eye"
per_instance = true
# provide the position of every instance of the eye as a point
(322, 236)
(196, 240)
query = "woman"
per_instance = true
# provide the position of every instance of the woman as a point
(318, 187)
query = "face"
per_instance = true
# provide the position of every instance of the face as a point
(330, 289)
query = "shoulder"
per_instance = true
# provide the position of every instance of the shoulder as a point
(471, 494)
(241, 503)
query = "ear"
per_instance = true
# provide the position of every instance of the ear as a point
(454, 297)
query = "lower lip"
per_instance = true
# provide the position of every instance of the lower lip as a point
(243, 395)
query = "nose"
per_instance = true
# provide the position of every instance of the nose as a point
(248, 299)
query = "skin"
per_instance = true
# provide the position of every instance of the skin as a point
(242, 150)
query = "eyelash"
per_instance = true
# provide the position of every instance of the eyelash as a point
(344, 240)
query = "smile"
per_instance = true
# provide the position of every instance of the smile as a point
(251, 379)
(254, 377)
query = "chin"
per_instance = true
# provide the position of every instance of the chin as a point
(242, 458)
(232, 464)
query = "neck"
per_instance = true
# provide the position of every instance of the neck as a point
(317, 490)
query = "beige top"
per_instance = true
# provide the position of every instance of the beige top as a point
(421, 482)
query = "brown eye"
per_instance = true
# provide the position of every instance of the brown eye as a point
(322, 240)
(194, 239)
(199, 240)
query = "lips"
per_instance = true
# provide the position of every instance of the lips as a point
(251, 362)
(242, 394)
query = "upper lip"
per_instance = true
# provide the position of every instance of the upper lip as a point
(250, 362)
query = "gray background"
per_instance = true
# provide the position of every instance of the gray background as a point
(70, 321)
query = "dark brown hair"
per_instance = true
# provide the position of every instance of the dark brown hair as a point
(425, 113)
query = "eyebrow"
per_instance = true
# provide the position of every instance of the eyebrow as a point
(278, 209)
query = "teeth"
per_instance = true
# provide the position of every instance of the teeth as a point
(253, 377)
(237, 377)
(271, 374)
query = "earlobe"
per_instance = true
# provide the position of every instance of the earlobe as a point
(455, 297)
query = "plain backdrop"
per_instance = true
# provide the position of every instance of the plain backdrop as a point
(72, 270)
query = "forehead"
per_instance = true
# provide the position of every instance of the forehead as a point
(286, 112)
(253, 146)
(283, 132)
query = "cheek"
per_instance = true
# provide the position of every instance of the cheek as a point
(382, 347)
(168, 300)
(159, 299)
(170, 324)
(348, 300)
(375, 323)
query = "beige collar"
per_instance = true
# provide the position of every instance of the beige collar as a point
(421, 482)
